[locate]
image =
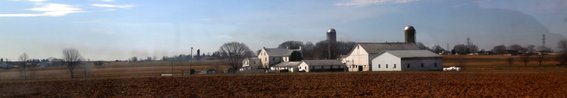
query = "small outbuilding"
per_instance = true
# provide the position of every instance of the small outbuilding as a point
(286, 66)
(251, 63)
(322, 66)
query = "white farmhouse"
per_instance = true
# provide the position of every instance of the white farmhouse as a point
(321, 66)
(359, 58)
(272, 56)
(407, 60)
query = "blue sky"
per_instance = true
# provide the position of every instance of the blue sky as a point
(119, 29)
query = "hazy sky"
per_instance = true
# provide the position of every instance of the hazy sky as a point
(119, 29)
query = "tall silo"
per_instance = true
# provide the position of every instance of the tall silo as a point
(409, 32)
(332, 43)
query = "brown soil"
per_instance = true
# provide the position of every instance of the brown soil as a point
(361, 84)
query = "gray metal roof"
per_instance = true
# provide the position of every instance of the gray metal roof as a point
(278, 51)
(322, 62)
(288, 64)
(412, 53)
(374, 49)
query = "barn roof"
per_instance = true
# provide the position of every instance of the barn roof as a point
(278, 51)
(375, 48)
(322, 62)
(412, 53)
(288, 64)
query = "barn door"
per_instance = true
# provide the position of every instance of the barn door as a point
(359, 68)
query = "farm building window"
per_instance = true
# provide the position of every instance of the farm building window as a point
(394, 65)
(378, 65)
(435, 64)
(421, 65)
(386, 65)
(408, 65)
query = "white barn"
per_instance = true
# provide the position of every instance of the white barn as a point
(407, 60)
(359, 58)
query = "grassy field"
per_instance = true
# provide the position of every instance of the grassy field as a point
(481, 63)
(497, 63)
(115, 70)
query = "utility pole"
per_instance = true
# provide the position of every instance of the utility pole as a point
(191, 60)
(172, 63)
(447, 49)
(542, 49)
(469, 50)
(543, 41)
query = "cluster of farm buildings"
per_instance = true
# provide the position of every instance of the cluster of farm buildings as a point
(365, 56)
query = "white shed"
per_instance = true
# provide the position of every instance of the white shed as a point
(321, 66)
(286, 66)
(404, 60)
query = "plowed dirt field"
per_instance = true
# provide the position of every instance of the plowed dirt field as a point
(366, 84)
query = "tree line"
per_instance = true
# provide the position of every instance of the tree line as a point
(235, 52)
(71, 59)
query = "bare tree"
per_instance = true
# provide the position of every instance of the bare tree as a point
(422, 46)
(72, 59)
(235, 52)
(438, 49)
(460, 49)
(517, 48)
(24, 66)
(563, 56)
(307, 50)
(320, 51)
(291, 44)
(530, 49)
(296, 56)
(500, 49)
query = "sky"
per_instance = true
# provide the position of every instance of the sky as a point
(120, 29)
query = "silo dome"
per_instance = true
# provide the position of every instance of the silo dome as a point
(409, 27)
(332, 30)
